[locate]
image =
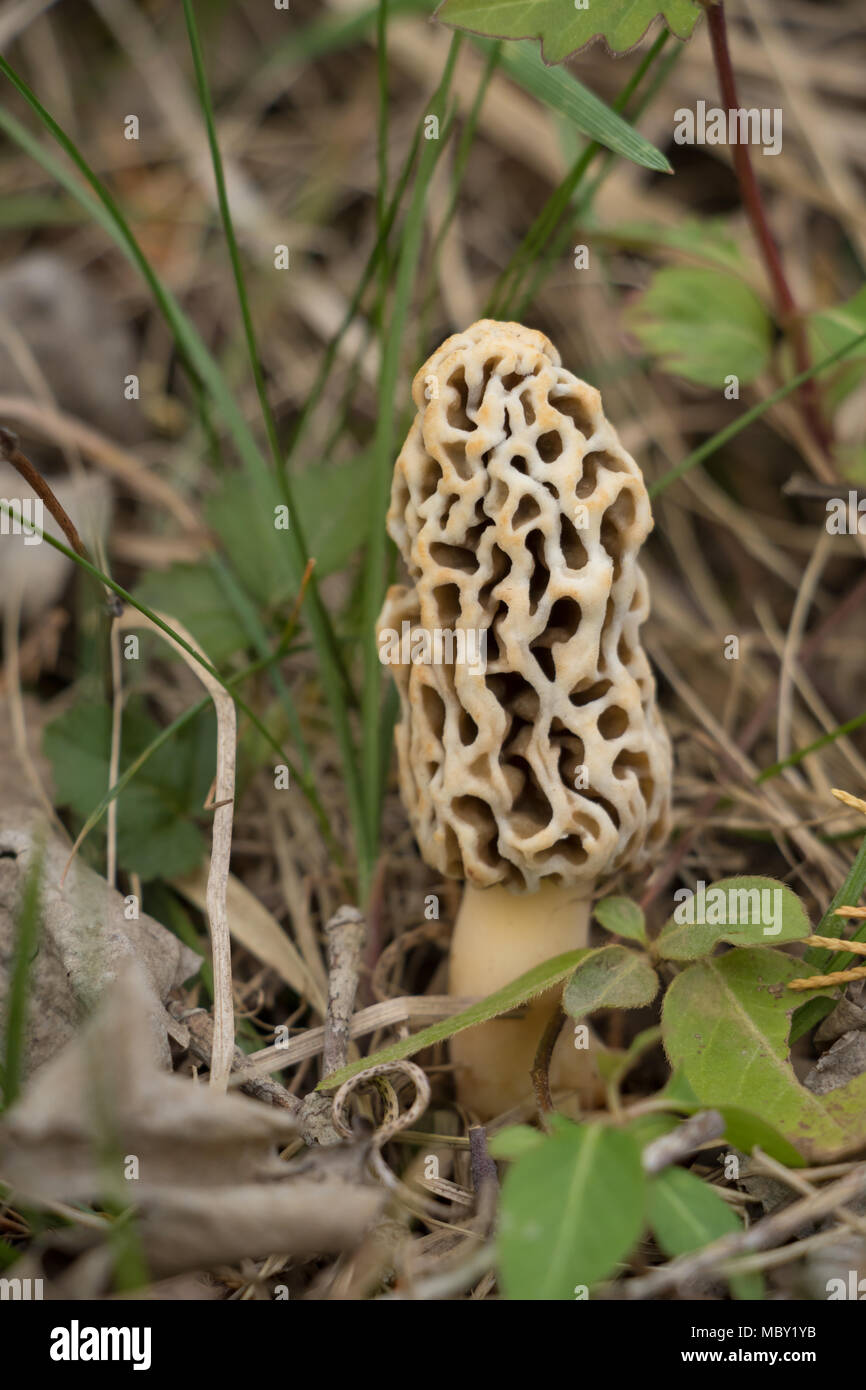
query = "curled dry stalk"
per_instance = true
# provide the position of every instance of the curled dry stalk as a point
(221, 801)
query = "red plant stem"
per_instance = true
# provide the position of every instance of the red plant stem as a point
(787, 312)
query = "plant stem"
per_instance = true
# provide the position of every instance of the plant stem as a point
(541, 1066)
(10, 453)
(787, 312)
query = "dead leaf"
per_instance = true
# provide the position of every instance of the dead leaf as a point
(208, 1186)
(84, 941)
(841, 1063)
(105, 1098)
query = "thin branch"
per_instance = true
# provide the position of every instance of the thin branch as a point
(10, 452)
(345, 933)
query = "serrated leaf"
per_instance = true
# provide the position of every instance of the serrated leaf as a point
(743, 911)
(563, 29)
(704, 325)
(156, 836)
(572, 1208)
(610, 977)
(562, 92)
(622, 916)
(502, 1001)
(192, 594)
(685, 1214)
(725, 1022)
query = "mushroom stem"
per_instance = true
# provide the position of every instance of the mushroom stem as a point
(498, 936)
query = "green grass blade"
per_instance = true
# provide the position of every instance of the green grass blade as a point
(562, 92)
(229, 230)
(165, 627)
(512, 996)
(711, 446)
(28, 928)
(374, 570)
(558, 240)
(542, 229)
(107, 214)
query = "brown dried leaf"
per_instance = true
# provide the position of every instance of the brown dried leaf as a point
(85, 937)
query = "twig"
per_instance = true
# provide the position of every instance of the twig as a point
(483, 1167)
(390, 1012)
(764, 1235)
(68, 433)
(786, 308)
(201, 1028)
(684, 1140)
(345, 933)
(540, 1073)
(10, 452)
(791, 1178)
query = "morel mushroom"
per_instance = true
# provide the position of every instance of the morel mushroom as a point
(542, 769)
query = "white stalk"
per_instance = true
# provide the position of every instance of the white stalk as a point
(499, 935)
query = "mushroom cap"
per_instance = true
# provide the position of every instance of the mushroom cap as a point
(519, 517)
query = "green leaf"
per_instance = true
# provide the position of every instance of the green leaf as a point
(572, 1208)
(242, 513)
(686, 1214)
(828, 330)
(511, 996)
(15, 1006)
(611, 977)
(622, 1062)
(724, 436)
(621, 916)
(515, 1141)
(559, 90)
(156, 837)
(336, 504)
(744, 911)
(703, 325)
(193, 596)
(705, 239)
(743, 1129)
(726, 1021)
(563, 29)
